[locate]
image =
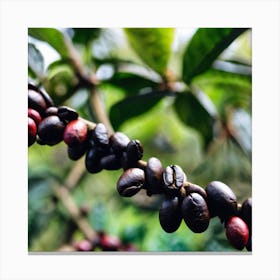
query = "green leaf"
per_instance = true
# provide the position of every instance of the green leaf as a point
(195, 114)
(53, 37)
(153, 45)
(205, 46)
(35, 61)
(85, 36)
(133, 106)
(130, 83)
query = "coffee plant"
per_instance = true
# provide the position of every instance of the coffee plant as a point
(81, 108)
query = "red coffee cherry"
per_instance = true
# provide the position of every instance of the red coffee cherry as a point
(32, 131)
(75, 132)
(83, 245)
(33, 114)
(237, 232)
(109, 243)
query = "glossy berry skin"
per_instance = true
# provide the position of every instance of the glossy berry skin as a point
(195, 212)
(109, 243)
(130, 182)
(32, 131)
(33, 114)
(221, 200)
(51, 130)
(237, 232)
(36, 101)
(75, 132)
(170, 217)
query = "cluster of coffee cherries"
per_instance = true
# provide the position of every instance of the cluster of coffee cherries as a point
(49, 125)
(105, 242)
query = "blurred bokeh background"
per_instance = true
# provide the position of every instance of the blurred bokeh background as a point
(175, 128)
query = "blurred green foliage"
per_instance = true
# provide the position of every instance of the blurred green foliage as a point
(184, 125)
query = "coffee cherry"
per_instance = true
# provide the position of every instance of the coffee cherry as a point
(109, 243)
(75, 132)
(93, 160)
(32, 131)
(83, 245)
(237, 232)
(118, 142)
(36, 101)
(154, 181)
(51, 111)
(66, 113)
(195, 212)
(100, 135)
(130, 182)
(249, 244)
(110, 162)
(51, 130)
(193, 188)
(221, 200)
(75, 152)
(246, 212)
(33, 114)
(170, 216)
(134, 151)
(173, 178)
(47, 98)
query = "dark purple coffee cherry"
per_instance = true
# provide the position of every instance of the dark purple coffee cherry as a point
(36, 101)
(221, 200)
(100, 135)
(32, 131)
(170, 216)
(67, 114)
(47, 98)
(119, 142)
(130, 182)
(51, 130)
(246, 212)
(33, 114)
(51, 111)
(173, 178)
(134, 151)
(153, 172)
(195, 212)
(75, 152)
(110, 162)
(249, 244)
(237, 232)
(93, 160)
(193, 188)
(75, 132)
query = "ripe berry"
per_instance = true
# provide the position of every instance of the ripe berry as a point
(32, 131)
(50, 130)
(75, 132)
(195, 212)
(170, 216)
(237, 232)
(36, 101)
(33, 114)
(221, 200)
(83, 245)
(109, 243)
